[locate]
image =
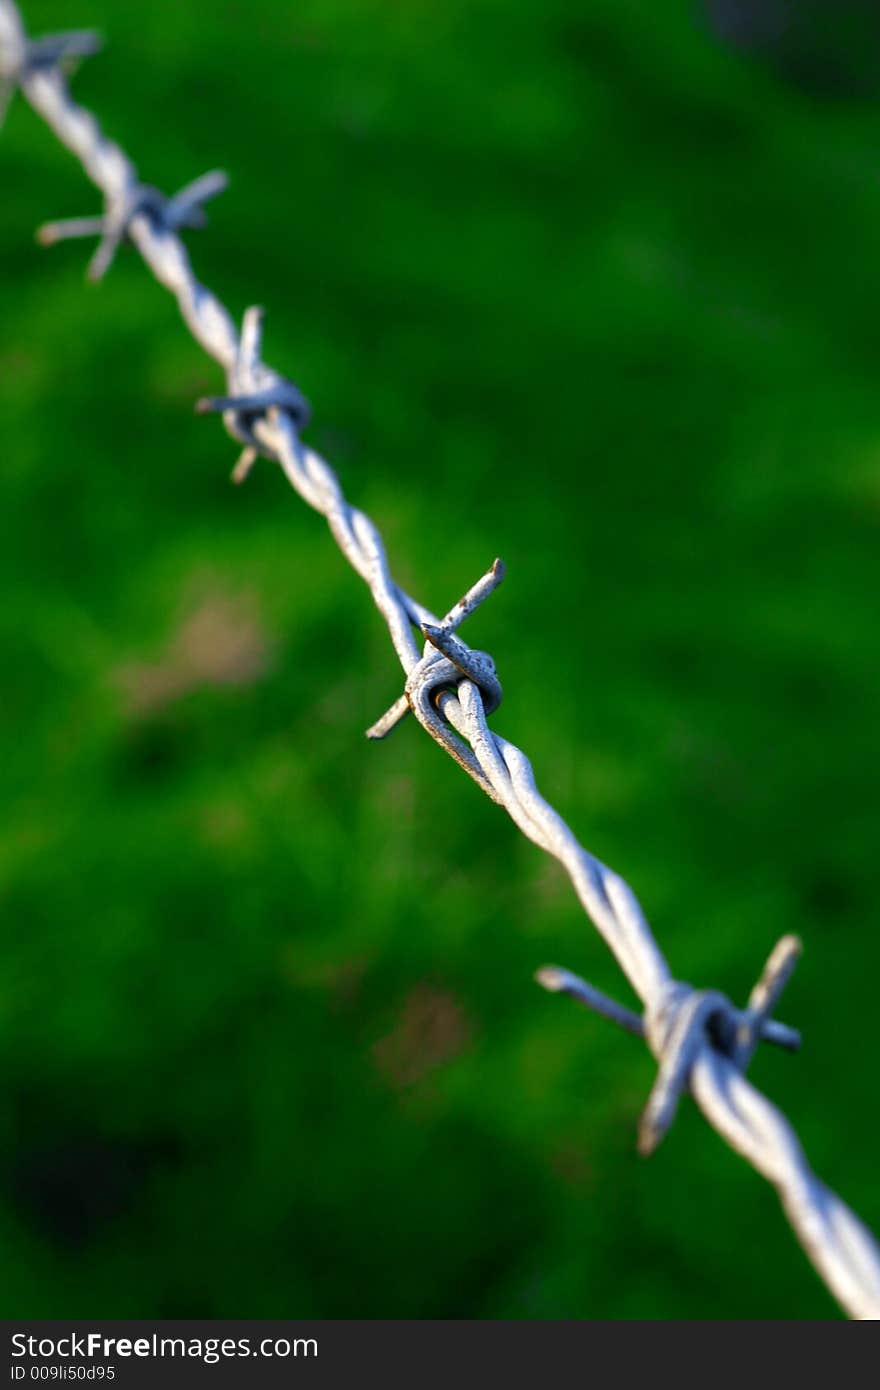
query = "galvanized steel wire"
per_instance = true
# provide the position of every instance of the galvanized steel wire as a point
(702, 1043)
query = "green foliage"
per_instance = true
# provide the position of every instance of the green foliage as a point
(570, 285)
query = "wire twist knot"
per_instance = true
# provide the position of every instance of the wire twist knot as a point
(21, 57)
(254, 388)
(681, 1021)
(444, 663)
(184, 209)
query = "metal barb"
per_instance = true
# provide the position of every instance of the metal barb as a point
(54, 49)
(713, 1041)
(184, 209)
(474, 665)
(254, 390)
(756, 1022)
(559, 981)
(684, 1020)
(21, 57)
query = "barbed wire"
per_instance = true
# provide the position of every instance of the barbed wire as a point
(702, 1043)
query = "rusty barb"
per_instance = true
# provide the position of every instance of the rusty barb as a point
(700, 1041)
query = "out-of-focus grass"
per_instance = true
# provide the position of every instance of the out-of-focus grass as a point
(580, 289)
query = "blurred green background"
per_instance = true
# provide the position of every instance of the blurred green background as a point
(590, 287)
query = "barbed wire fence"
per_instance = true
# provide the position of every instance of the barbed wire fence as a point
(701, 1041)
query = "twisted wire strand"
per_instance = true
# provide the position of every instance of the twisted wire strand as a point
(701, 1042)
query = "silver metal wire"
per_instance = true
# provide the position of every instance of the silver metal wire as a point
(701, 1042)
